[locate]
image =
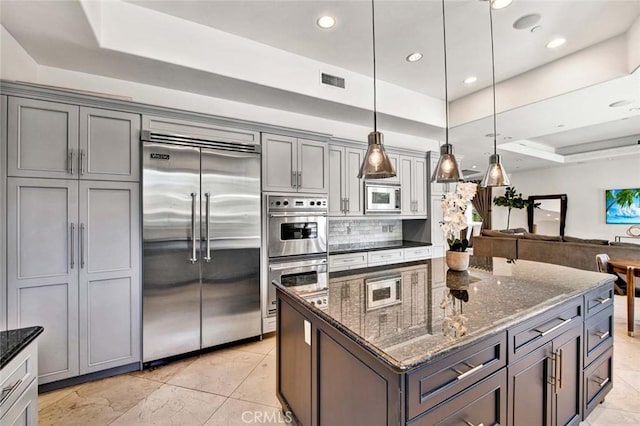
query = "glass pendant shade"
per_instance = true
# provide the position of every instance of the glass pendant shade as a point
(496, 174)
(447, 170)
(376, 163)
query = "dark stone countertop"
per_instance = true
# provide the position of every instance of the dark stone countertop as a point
(13, 341)
(388, 245)
(445, 310)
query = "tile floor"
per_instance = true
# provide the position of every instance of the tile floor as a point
(236, 386)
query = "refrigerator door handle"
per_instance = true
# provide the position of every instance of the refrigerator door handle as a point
(194, 257)
(207, 196)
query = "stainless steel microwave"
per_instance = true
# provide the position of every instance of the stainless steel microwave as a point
(382, 198)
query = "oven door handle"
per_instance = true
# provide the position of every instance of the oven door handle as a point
(299, 214)
(299, 268)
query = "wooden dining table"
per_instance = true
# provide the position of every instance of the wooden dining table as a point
(631, 268)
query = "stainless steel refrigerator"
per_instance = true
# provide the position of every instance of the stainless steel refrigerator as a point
(201, 251)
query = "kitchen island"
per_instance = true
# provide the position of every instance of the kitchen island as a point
(506, 342)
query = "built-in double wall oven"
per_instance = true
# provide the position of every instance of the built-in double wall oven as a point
(297, 245)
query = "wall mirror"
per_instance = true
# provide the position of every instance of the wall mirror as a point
(549, 217)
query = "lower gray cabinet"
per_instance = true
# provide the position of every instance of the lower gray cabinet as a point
(73, 256)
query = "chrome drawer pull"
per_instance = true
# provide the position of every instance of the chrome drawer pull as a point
(468, 373)
(8, 391)
(602, 301)
(552, 329)
(602, 335)
(600, 382)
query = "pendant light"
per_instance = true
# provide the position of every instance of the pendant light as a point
(376, 163)
(496, 174)
(447, 170)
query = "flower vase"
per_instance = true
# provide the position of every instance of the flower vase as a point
(457, 260)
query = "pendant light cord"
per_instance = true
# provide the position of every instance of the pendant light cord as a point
(446, 90)
(493, 76)
(373, 26)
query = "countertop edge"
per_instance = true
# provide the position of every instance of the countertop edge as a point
(6, 358)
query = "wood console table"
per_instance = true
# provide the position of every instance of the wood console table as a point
(632, 269)
(618, 238)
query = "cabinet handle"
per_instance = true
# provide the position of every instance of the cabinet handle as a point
(82, 245)
(559, 380)
(194, 257)
(73, 261)
(552, 329)
(341, 205)
(601, 382)
(207, 196)
(71, 162)
(347, 200)
(299, 179)
(462, 375)
(8, 391)
(602, 300)
(81, 161)
(602, 335)
(294, 175)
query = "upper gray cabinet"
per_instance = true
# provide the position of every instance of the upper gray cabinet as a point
(413, 178)
(345, 189)
(57, 140)
(294, 165)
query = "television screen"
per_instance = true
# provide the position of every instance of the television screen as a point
(623, 206)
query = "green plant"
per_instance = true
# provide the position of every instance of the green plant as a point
(625, 197)
(512, 200)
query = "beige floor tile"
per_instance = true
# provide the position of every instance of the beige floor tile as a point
(241, 413)
(625, 354)
(262, 347)
(622, 397)
(218, 372)
(48, 398)
(609, 417)
(260, 385)
(97, 403)
(630, 376)
(172, 405)
(164, 372)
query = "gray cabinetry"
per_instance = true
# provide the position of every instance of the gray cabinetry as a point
(109, 258)
(413, 178)
(345, 189)
(3, 210)
(43, 269)
(294, 165)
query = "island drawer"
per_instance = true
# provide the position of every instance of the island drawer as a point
(16, 376)
(442, 379)
(385, 257)
(597, 300)
(417, 253)
(532, 334)
(342, 262)
(598, 335)
(597, 381)
(484, 402)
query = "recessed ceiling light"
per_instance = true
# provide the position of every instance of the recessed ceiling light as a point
(526, 21)
(471, 79)
(500, 4)
(414, 57)
(536, 28)
(474, 167)
(556, 42)
(620, 103)
(326, 22)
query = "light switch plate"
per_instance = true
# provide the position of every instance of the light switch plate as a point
(307, 332)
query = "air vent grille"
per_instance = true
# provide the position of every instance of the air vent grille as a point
(332, 80)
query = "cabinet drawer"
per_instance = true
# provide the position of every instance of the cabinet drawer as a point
(417, 253)
(536, 332)
(342, 262)
(442, 379)
(598, 335)
(18, 375)
(598, 381)
(384, 257)
(597, 300)
(483, 403)
(25, 411)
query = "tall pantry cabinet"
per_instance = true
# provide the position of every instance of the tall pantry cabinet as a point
(73, 234)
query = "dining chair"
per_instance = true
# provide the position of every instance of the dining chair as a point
(602, 262)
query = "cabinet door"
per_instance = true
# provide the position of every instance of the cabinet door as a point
(279, 163)
(436, 188)
(313, 166)
(437, 237)
(406, 178)
(420, 187)
(25, 410)
(337, 169)
(529, 388)
(354, 186)
(109, 145)
(294, 381)
(3, 212)
(568, 394)
(43, 139)
(42, 269)
(109, 258)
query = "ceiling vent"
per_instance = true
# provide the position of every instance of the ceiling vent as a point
(332, 80)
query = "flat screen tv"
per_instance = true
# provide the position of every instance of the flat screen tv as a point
(623, 206)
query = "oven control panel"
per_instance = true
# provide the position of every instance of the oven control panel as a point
(296, 203)
(320, 300)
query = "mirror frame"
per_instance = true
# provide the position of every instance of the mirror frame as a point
(563, 209)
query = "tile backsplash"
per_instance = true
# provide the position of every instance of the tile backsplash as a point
(353, 234)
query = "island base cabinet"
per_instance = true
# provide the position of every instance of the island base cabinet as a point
(484, 403)
(597, 381)
(25, 411)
